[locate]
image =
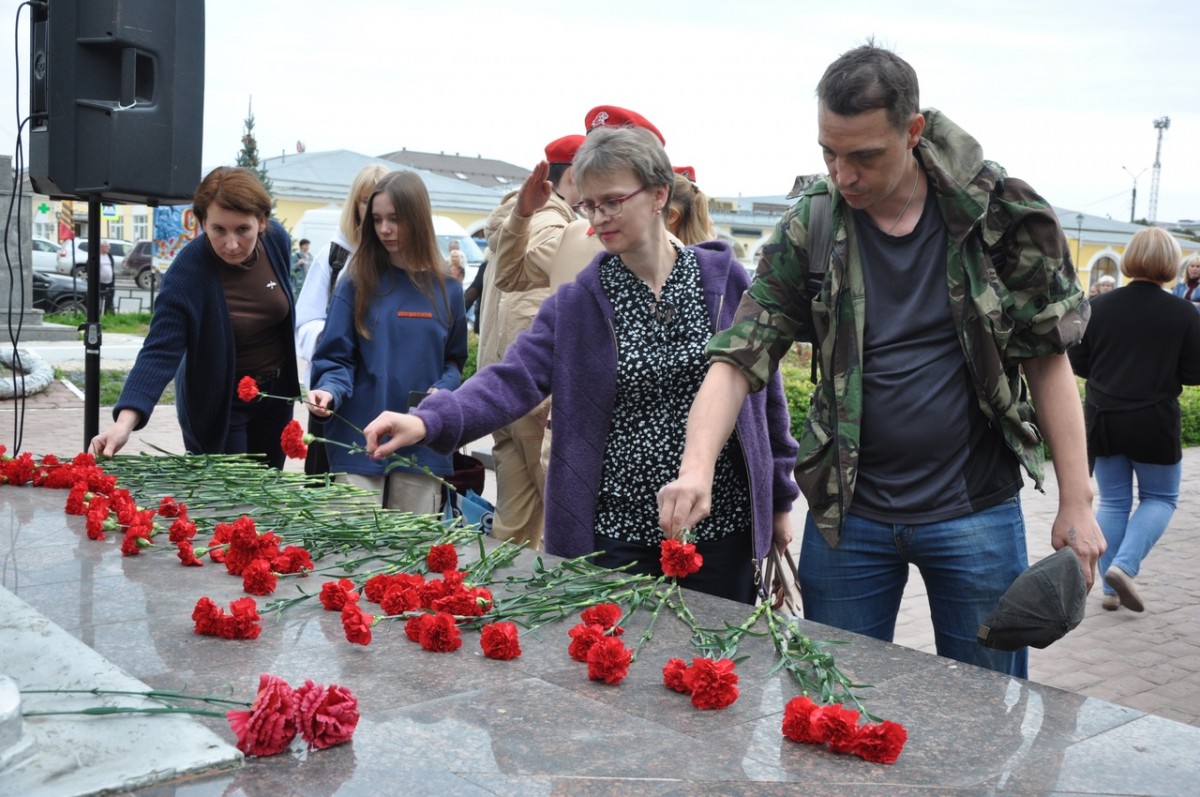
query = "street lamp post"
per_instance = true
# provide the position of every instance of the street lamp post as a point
(1079, 243)
(1133, 196)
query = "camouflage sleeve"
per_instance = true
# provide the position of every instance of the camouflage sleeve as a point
(774, 311)
(1047, 306)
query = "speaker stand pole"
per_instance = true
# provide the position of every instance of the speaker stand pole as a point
(91, 329)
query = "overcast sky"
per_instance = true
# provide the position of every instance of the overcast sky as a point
(1062, 94)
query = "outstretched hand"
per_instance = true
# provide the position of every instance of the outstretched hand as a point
(404, 430)
(535, 191)
(682, 504)
(319, 402)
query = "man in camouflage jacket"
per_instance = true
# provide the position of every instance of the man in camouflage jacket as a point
(1014, 303)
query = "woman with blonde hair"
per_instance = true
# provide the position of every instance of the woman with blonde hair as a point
(1141, 346)
(687, 213)
(396, 331)
(1189, 280)
(317, 292)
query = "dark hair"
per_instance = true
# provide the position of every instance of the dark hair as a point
(557, 170)
(422, 260)
(233, 188)
(867, 78)
(304, 241)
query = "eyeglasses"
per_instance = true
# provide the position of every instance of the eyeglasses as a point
(610, 207)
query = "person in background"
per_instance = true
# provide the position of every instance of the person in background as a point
(301, 261)
(313, 305)
(396, 331)
(621, 350)
(225, 312)
(1189, 280)
(473, 296)
(457, 265)
(108, 270)
(1105, 284)
(1141, 346)
(919, 425)
(524, 232)
(687, 217)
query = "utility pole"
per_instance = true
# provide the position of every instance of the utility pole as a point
(1133, 197)
(1160, 125)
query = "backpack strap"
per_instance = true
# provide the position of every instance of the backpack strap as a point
(338, 255)
(820, 246)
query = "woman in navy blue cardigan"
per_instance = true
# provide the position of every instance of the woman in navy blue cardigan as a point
(226, 311)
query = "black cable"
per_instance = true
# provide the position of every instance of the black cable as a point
(17, 198)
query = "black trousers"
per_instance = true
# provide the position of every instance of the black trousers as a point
(727, 572)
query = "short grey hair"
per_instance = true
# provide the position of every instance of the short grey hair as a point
(607, 150)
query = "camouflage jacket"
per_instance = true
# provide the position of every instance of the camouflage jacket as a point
(1013, 296)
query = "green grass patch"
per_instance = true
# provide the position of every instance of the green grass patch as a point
(112, 381)
(124, 323)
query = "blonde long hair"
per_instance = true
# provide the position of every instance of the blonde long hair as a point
(365, 181)
(422, 260)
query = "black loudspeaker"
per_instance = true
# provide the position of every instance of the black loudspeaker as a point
(117, 99)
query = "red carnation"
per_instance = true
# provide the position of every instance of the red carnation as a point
(377, 586)
(181, 529)
(583, 637)
(500, 641)
(837, 725)
(205, 615)
(257, 578)
(292, 441)
(797, 721)
(442, 558)
(412, 627)
(168, 508)
(439, 633)
(880, 743)
(270, 724)
(292, 559)
(76, 503)
(243, 623)
(325, 715)
(713, 684)
(336, 594)
(608, 660)
(357, 623)
(679, 559)
(605, 615)
(247, 389)
(187, 554)
(400, 598)
(674, 672)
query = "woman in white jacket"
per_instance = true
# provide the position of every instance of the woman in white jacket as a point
(313, 304)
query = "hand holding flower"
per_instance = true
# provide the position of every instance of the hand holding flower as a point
(320, 403)
(404, 430)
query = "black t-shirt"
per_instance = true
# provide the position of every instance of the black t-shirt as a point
(927, 452)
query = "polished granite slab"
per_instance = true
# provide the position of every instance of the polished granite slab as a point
(459, 723)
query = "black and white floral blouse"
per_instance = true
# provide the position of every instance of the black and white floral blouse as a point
(660, 365)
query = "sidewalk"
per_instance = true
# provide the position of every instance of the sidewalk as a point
(1148, 661)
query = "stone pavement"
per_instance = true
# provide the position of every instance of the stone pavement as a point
(1148, 661)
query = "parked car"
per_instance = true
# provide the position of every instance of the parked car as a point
(45, 254)
(447, 230)
(56, 293)
(118, 248)
(140, 267)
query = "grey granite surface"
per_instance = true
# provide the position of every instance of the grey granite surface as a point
(459, 723)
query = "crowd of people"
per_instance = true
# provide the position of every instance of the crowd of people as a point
(629, 368)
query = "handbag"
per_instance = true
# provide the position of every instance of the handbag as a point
(779, 585)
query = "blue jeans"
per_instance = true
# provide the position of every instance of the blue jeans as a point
(967, 564)
(1131, 536)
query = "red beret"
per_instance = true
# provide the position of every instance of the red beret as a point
(612, 116)
(687, 171)
(562, 150)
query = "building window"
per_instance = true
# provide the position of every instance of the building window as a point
(45, 229)
(141, 227)
(116, 227)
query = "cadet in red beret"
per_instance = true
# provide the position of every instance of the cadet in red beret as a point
(562, 150)
(612, 116)
(687, 171)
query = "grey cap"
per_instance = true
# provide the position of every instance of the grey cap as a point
(1041, 606)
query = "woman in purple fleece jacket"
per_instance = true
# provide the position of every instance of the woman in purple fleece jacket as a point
(622, 351)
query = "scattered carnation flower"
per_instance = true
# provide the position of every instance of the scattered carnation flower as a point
(270, 724)
(608, 660)
(356, 623)
(442, 558)
(712, 683)
(325, 715)
(187, 554)
(439, 633)
(336, 594)
(605, 615)
(500, 641)
(674, 672)
(583, 637)
(257, 578)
